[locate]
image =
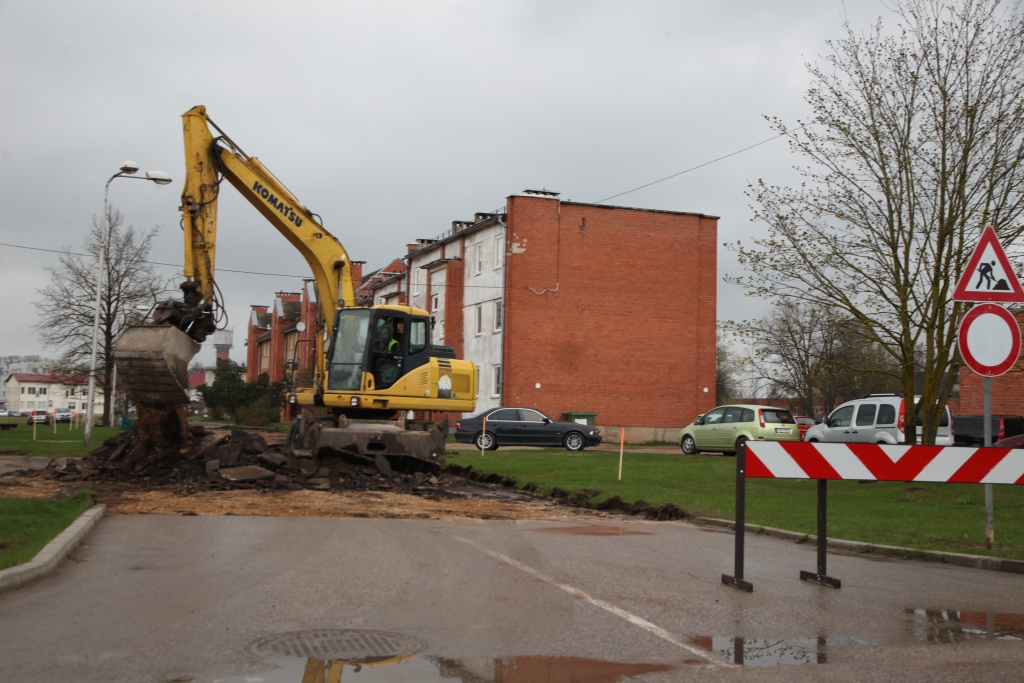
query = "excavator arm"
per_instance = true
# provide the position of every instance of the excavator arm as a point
(154, 359)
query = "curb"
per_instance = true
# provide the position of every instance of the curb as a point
(996, 564)
(49, 558)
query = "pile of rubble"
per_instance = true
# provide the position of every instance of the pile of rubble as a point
(236, 458)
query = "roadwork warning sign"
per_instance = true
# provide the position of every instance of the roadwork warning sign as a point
(989, 275)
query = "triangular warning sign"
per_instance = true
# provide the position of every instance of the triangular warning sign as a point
(989, 275)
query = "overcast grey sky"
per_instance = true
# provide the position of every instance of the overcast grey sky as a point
(390, 119)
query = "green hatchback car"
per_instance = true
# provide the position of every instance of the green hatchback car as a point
(727, 428)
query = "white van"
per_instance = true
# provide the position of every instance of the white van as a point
(877, 418)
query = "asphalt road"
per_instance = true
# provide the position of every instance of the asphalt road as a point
(163, 598)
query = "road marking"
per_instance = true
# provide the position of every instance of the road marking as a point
(608, 607)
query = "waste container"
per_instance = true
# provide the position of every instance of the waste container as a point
(580, 418)
(126, 422)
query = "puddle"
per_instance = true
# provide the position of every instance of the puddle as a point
(427, 669)
(761, 652)
(593, 530)
(954, 626)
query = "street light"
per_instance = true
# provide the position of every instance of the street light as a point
(128, 170)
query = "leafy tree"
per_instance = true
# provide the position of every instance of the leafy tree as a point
(66, 307)
(916, 142)
(231, 395)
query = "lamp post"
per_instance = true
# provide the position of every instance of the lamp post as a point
(128, 169)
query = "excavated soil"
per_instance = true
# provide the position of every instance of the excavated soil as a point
(226, 471)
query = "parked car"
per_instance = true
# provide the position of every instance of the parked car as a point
(1010, 442)
(804, 423)
(3, 413)
(523, 427)
(39, 417)
(25, 413)
(727, 429)
(969, 430)
(62, 415)
(877, 418)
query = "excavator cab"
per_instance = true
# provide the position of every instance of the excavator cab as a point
(373, 348)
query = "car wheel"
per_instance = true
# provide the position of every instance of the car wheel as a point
(688, 446)
(976, 444)
(574, 441)
(485, 441)
(741, 445)
(812, 441)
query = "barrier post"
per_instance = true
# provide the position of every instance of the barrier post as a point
(989, 530)
(736, 580)
(822, 576)
(483, 437)
(622, 447)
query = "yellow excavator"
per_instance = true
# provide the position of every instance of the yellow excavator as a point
(372, 364)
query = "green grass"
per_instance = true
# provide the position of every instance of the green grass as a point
(66, 442)
(949, 517)
(27, 525)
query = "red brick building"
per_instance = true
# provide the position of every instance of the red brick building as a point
(546, 298)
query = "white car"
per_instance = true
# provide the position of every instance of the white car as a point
(877, 418)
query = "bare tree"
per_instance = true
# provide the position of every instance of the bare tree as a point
(728, 370)
(67, 305)
(916, 143)
(804, 352)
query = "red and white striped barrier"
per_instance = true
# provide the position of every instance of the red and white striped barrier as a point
(868, 461)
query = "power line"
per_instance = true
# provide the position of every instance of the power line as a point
(706, 163)
(220, 270)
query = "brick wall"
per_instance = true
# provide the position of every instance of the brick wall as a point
(252, 349)
(626, 328)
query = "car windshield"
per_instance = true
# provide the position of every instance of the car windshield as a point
(777, 416)
(804, 421)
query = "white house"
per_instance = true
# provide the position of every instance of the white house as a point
(30, 391)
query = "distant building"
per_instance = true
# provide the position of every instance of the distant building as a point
(30, 391)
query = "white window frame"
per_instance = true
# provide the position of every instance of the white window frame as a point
(435, 302)
(416, 281)
(479, 320)
(498, 314)
(479, 258)
(499, 251)
(440, 335)
(496, 378)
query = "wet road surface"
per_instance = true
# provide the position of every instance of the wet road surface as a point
(164, 598)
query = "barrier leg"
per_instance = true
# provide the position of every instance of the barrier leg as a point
(736, 580)
(822, 576)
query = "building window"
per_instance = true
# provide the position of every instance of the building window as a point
(23, 390)
(440, 332)
(496, 393)
(499, 251)
(479, 320)
(416, 282)
(497, 315)
(42, 391)
(71, 405)
(434, 301)
(479, 258)
(32, 391)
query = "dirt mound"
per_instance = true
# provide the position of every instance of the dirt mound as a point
(198, 459)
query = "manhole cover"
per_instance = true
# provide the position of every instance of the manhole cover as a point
(345, 644)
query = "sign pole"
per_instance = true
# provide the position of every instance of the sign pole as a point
(989, 531)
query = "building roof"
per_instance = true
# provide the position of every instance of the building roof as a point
(49, 379)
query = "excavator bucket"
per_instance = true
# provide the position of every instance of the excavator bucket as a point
(152, 363)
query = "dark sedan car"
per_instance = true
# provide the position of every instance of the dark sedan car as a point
(523, 427)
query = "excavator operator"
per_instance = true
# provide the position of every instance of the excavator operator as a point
(388, 341)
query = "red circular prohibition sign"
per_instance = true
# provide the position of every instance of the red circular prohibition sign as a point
(987, 347)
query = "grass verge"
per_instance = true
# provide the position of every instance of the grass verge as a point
(948, 517)
(27, 525)
(66, 442)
